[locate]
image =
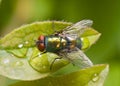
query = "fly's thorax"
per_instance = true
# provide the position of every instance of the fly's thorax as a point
(54, 43)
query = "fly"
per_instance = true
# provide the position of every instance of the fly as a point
(67, 43)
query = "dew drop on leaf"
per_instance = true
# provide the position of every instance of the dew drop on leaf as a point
(95, 77)
(44, 67)
(26, 42)
(39, 55)
(5, 61)
(20, 45)
(18, 63)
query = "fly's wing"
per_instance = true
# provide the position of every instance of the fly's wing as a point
(77, 58)
(77, 29)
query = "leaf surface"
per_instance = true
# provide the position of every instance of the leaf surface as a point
(94, 76)
(18, 53)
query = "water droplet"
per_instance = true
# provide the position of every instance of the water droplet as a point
(20, 45)
(26, 42)
(5, 61)
(39, 54)
(95, 77)
(12, 55)
(18, 63)
(44, 67)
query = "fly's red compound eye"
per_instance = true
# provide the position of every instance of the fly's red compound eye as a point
(41, 38)
(40, 43)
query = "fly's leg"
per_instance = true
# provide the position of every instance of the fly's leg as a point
(40, 54)
(54, 61)
(43, 52)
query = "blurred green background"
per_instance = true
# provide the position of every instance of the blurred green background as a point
(104, 13)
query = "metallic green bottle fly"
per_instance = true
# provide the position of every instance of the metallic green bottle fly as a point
(56, 43)
(68, 44)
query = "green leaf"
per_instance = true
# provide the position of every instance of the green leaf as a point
(19, 56)
(93, 76)
(2, 80)
(25, 36)
(89, 37)
(18, 47)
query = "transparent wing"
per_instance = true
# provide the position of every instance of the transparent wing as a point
(77, 29)
(77, 57)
